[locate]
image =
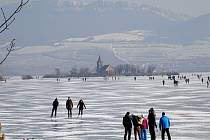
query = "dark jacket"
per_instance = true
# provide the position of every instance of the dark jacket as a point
(69, 104)
(151, 120)
(127, 122)
(55, 103)
(135, 120)
(81, 105)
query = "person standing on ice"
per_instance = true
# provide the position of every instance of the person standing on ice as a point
(164, 126)
(55, 106)
(127, 125)
(81, 106)
(137, 122)
(152, 123)
(69, 106)
(144, 128)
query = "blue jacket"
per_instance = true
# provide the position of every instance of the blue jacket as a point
(164, 122)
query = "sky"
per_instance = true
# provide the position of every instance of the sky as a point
(188, 7)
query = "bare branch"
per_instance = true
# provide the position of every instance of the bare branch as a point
(4, 15)
(7, 22)
(10, 19)
(9, 50)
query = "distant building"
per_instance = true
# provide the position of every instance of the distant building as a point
(99, 65)
(103, 70)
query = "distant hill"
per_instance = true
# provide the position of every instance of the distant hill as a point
(115, 48)
(49, 21)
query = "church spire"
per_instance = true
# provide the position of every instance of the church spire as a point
(99, 64)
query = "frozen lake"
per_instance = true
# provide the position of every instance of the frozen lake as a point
(25, 107)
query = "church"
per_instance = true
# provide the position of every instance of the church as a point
(103, 70)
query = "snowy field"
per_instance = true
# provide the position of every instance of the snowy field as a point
(25, 107)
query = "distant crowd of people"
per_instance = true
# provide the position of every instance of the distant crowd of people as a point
(141, 124)
(69, 107)
(187, 80)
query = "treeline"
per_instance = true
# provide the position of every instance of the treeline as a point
(131, 70)
(74, 72)
(119, 70)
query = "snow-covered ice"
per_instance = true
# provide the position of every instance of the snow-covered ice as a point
(25, 107)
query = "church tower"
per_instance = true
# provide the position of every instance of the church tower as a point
(99, 65)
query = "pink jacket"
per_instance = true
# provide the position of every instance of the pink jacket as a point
(145, 124)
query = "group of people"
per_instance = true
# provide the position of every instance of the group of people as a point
(141, 124)
(187, 80)
(69, 107)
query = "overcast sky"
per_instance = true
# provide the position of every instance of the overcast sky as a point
(189, 7)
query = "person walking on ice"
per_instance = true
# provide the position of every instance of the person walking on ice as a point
(164, 126)
(163, 82)
(81, 106)
(69, 106)
(55, 106)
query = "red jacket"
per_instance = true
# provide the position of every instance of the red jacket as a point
(145, 124)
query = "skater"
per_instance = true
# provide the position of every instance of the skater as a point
(55, 106)
(69, 106)
(207, 84)
(164, 126)
(202, 80)
(144, 128)
(81, 106)
(137, 121)
(176, 82)
(152, 123)
(163, 82)
(128, 126)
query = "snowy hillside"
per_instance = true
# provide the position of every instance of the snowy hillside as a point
(114, 48)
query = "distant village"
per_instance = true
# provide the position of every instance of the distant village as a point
(103, 70)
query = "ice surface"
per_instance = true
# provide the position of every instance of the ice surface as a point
(25, 107)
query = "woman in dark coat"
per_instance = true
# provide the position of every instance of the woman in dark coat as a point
(55, 106)
(152, 123)
(81, 106)
(128, 126)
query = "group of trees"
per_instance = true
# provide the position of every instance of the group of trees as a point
(123, 69)
(131, 70)
(74, 72)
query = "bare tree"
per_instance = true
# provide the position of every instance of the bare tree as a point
(7, 21)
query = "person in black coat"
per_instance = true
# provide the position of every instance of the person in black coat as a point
(152, 123)
(81, 106)
(55, 106)
(69, 106)
(128, 125)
